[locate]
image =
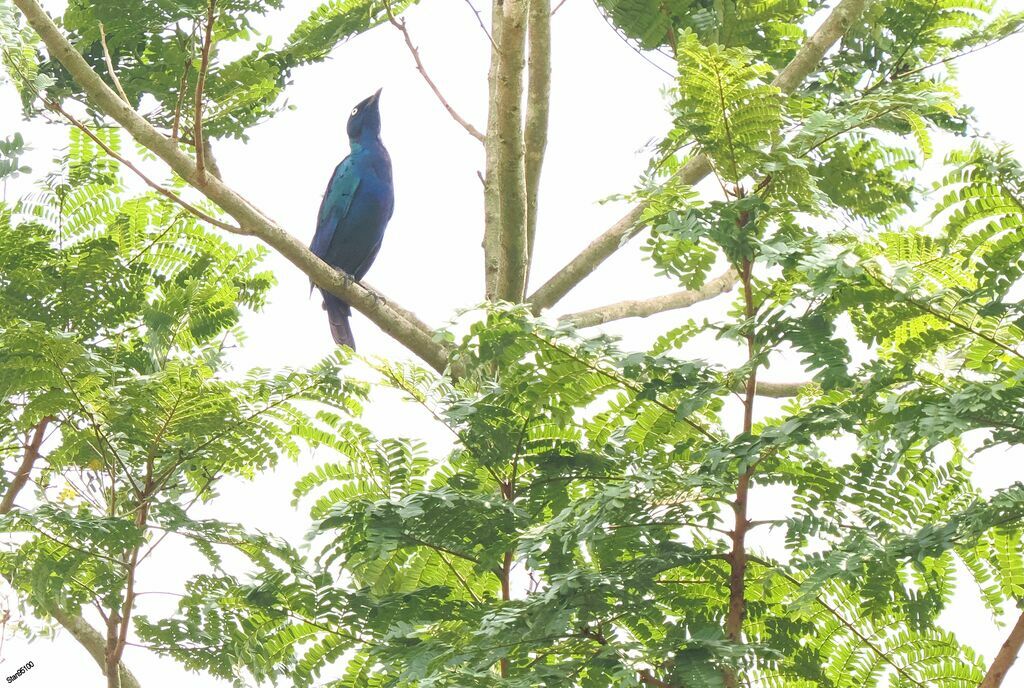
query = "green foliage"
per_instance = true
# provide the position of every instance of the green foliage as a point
(115, 313)
(577, 529)
(10, 148)
(156, 51)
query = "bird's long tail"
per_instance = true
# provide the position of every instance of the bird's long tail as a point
(338, 313)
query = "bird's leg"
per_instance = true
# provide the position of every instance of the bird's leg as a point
(378, 299)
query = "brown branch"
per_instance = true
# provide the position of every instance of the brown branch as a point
(414, 51)
(538, 102)
(164, 191)
(408, 330)
(28, 461)
(110, 64)
(1006, 657)
(600, 249)
(87, 636)
(659, 304)
(197, 121)
(480, 20)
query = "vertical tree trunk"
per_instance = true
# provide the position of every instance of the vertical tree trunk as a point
(738, 553)
(492, 198)
(507, 148)
(537, 107)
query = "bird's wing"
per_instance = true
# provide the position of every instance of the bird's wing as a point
(335, 205)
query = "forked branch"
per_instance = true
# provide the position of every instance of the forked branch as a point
(600, 249)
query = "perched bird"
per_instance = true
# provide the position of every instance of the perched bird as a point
(356, 208)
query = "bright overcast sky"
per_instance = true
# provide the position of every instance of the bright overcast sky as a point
(606, 106)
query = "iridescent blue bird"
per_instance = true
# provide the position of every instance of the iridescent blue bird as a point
(356, 208)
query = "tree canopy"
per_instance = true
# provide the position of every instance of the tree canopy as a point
(588, 524)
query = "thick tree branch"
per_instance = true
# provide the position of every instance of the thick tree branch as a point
(93, 641)
(1006, 657)
(806, 60)
(408, 330)
(643, 308)
(414, 51)
(538, 100)
(492, 202)
(780, 390)
(507, 149)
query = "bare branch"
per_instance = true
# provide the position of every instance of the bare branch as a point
(506, 149)
(29, 457)
(645, 307)
(831, 30)
(414, 51)
(204, 64)
(480, 20)
(139, 173)
(557, 7)
(408, 330)
(538, 101)
(1006, 657)
(110, 63)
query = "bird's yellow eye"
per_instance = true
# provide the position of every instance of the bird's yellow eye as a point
(354, 111)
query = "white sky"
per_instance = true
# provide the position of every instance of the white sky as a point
(606, 106)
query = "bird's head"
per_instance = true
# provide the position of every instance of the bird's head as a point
(364, 122)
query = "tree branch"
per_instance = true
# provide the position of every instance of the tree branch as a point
(110, 64)
(28, 461)
(808, 57)
(1006, 657)
(93, 641)
(87, 636)
(408, 330)
(538, 101)
(506, 148)
(781, 390)
(414, 51)
(164, 191)
(645, 307)
(492, 201)
(480, 20)
(197, 121)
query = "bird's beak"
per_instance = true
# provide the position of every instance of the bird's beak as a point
(376, 96)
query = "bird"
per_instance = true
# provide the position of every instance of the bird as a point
(355, 210)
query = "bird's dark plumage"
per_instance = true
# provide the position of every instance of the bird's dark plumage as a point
(356, 208)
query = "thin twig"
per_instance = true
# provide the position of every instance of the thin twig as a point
(110, 64)
(197, 121)
(483, 26)
(149, 182)
(557, 7)
(400, 25)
